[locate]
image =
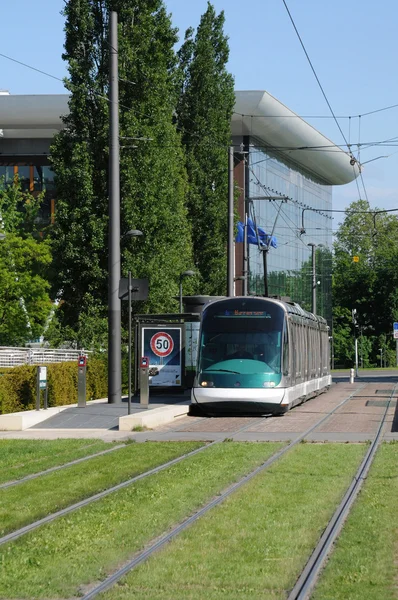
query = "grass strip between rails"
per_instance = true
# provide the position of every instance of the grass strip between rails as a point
(89, 544)
(24, 457)
(364, 564)
(35, 499)
(256, 543)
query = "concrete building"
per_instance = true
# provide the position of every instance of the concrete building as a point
(277, 155)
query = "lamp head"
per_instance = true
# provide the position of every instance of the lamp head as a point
(187, 274)
(133, 233)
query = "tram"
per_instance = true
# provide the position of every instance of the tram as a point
(260, 355)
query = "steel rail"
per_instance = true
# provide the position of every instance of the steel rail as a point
(8, 484)
(157, 545)
(60, 513)
(311, 571)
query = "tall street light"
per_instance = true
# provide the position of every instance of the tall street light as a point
(313, 246)
(114, 305)
(182, 275)
(131, 234)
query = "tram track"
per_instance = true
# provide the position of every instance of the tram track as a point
(163, 540)
(95, 497)
(166, 538)
(77, 461)
(310, 574)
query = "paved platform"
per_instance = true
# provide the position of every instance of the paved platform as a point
(167, 418)
(100, 415)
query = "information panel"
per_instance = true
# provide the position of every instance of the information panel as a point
(163, 347)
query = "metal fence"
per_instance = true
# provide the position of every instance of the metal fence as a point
(14, 357)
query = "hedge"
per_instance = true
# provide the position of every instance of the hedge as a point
(18, 385)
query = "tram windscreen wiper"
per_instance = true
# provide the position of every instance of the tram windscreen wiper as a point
(223, 371)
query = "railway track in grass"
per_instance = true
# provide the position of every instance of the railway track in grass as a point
(166, 538)
(310, 574)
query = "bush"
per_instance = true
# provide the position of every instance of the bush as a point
(18, 385)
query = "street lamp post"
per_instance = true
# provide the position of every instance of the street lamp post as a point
(314, 282)
(313, 303)
(131, 233)
(182, 275)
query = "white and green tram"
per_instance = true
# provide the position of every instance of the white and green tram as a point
(260, 355)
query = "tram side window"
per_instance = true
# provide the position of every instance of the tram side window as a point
(285, 358)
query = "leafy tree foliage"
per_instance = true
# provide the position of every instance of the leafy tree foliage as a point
(204, 115)
(24, 300)
(371, 284)
(153, 179)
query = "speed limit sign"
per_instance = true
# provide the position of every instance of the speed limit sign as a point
(162, 344)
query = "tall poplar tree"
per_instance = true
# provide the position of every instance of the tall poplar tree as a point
(153, 177)
(204, 115)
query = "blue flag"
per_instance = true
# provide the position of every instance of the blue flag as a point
(263, 237)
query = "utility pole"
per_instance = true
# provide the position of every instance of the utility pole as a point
(355, 323)
(313, 303)
(114, 303)
(231, 248)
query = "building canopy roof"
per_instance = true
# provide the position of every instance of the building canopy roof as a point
(260, 115)
(39, 116)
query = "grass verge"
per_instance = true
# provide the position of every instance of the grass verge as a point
(35, 499)
(255, 544)
(364, 563)
(88, 544)
(24, 457)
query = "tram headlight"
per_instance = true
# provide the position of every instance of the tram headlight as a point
(269, 384)
(207, 384)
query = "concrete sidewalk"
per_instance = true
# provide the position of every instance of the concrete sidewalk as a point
(99, 415)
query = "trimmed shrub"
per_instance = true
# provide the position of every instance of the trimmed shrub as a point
(18, 384)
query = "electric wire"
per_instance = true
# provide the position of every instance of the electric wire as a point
(314, 72)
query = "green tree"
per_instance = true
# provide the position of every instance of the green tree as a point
(153, 178)
(24, 300)
(204, 116)
(371, 283)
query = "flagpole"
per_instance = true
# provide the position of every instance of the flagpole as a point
(230, 256)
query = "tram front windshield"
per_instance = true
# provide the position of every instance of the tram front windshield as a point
(241, 337)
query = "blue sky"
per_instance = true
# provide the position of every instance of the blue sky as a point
(351, 45)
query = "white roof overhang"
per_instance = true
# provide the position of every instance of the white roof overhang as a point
(291, 137)
(41, 113)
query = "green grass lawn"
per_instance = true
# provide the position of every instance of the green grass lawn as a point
(364, 564)
(255, 544)
(37, 498)
(59, 559)
(24, 457)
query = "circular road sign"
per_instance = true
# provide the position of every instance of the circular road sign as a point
(162, 344)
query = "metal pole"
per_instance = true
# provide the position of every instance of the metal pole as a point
(396, 350)
(313, 281)
(180, 295)
(129, 353)
(356, 357)
(245, 270)
(265, 252)
(230, 261)
(114, 304)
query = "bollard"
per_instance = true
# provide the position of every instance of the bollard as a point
(144, 382)
(351, 375)
(81, 381)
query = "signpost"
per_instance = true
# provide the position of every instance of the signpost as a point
(395, 333)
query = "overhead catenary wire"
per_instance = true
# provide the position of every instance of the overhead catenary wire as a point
(314, 72)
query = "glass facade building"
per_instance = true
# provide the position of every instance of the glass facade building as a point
(294, 225)
(285, 170)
